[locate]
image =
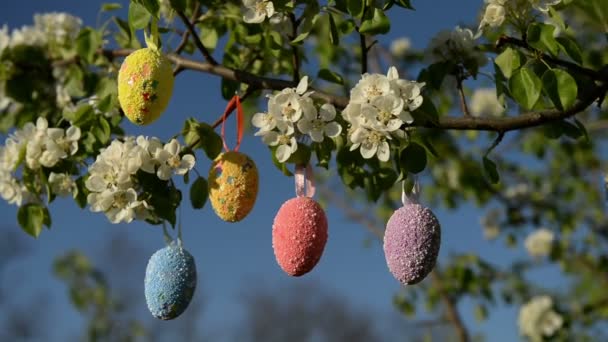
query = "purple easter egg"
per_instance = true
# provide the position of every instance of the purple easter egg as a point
(411, 243)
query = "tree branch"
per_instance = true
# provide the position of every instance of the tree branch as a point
(363, 43)
(294, 47)
(197, 40)
(452, 313)
(502, 124)
(186, 34)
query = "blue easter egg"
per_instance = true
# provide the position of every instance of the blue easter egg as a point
(170, 281)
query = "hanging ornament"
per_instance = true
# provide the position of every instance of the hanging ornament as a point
(145, 82)
(299, 232)
(170, 279)
(411, 240)
(233, 177)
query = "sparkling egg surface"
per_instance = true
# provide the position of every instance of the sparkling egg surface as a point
(233, 185)
(411, 243)
(170, 281)
(145, 85)
(299, 234)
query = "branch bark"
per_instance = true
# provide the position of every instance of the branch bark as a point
(502, 124)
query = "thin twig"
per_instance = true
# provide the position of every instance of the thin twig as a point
(452, 313)
(463, 100)
(294, 48)
(197, 40)
(364, 49)
(497, 141)
(186, 34)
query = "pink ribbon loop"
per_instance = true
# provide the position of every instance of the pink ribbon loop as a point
(305, 183)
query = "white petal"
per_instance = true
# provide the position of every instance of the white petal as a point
(283, 153)
(333, 129)
(172, 147)
(368, 150)
(96, 183)
(384, 151)
(253, 17)
(259, 120)
(164, 172)
(392, 73)
(269, 9)
(303, 85)
(327, 112)
(72, 133)
(304, 126)
(406, 117)
(316, 135)
(270, 138)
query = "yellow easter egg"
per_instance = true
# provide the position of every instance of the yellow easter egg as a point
(145, 85)
(233, 185)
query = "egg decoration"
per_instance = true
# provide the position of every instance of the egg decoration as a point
(170, 281)
(233, 185)
(411, 243)
(299, 234)
(145, 85)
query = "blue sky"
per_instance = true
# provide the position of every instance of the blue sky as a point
(233, 256)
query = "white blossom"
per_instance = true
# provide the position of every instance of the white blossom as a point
(257, 10)
(457, 46)
(10, 189)
(485, 103)
(148, 146)
(61, 28)
(264, 121)
(28, 35)
(538, 320)
(379, 106)
(321, 125)
(371, 143)
(284, 140)
(170, 161)
(539, 242)
(543, 5)
(400, 46)
(494, 15)
(62, 184)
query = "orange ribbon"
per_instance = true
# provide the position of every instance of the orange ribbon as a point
(235, 103)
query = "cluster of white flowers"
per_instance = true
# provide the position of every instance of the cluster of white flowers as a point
(38, 146)
(485, 103)
(256, 11)
(539, 242)
(538, 320)
(378, 108)
(50, 28)
(496, 11)
(400, 46)
(291, 114)
(114, 189)
(457, 46)
(58, 28)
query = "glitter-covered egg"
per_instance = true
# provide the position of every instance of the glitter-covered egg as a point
(170, 281)
(299, 234)
(233, 185)
(411, 243)
(145, 85)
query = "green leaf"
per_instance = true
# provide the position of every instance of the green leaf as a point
(209, 38)
(210, 141)
(525, 87)
(508, 61)
(306, 26)
(330, 76)
(560, 87)
(571, 48)
(199, 193)
(152, 6)
(355, 7)
(102, 131)
(139, 16)
(540, 36)
(229, 88)
(110, 6)
(178, 5)
(32, 217)
(413, 158)
(376, 23)
(490, 170)
(334, 36)
(87, 43)
(404, 4)
(301, 156)
(481, 313)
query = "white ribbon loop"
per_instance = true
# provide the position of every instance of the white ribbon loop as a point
(305, 183)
